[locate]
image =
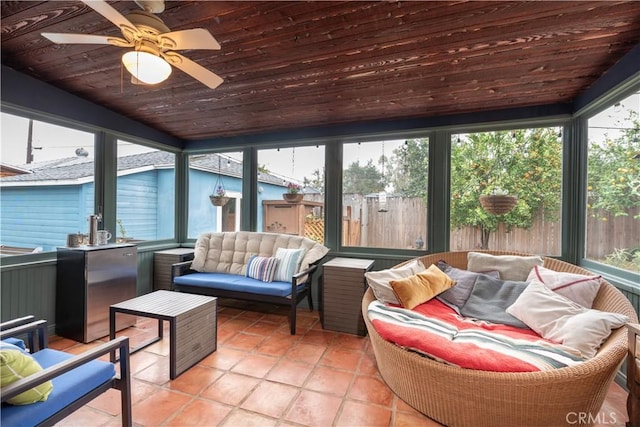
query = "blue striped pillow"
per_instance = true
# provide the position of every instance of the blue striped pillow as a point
(288, 263)
(261, 268)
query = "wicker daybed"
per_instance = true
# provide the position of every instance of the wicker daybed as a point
(455, 396)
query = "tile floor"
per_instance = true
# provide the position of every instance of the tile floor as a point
(260, 375)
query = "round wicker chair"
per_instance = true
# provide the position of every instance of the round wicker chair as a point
(463, 397)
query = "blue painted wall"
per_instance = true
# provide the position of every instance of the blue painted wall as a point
(203, 215)
(42, 216)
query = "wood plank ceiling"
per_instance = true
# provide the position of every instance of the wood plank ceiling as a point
(300, 64)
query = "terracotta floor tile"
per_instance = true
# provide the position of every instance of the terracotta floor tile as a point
(315, 337)
(62, 344)
(224, 358)
(243, 341)
(314, 409)
(194, 380)
(255, 365)
(270, 399)
(329, 380)
(238, 324)
(368, 366)
(371, 390)
(403, 419)
(158, 407)
(142, 360)
(140, 390)
(242, 418)
(262, 328)
(289, 372)
(277, 345)
(224, 334)
(261, 375)
(161, 348)
(341, 359)
(231, 388)
(349, 342)
(88, 417)
(108, 402)
(200, 412)
(305, 353)
(362, 414)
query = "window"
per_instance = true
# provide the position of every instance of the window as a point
(384, 194)
(613, 186)
(291, 191)
(145, 208)
(215, 192)
(46, 184)
(506, 191)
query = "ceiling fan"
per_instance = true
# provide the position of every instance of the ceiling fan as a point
(152, 41)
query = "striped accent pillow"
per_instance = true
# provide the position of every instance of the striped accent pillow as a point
(288, 263)
(261, 268)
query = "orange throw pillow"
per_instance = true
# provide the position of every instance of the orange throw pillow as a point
(417, 289)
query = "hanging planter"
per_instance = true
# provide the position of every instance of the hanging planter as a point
(498, 204)
(294, 193)
(218, 200)
(292, 197)
(219, 196)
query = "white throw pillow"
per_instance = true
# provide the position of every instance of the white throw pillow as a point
(577, 287)
(288, 263)
(511, 267)
(561, 320)
(379, 280)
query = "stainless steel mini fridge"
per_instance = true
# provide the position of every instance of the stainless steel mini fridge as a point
(89, 280)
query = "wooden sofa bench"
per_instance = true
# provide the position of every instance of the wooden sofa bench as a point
(220, 264)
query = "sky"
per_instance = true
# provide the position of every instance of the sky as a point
(53, 142)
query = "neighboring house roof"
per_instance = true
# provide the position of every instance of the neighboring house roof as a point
(76, 170)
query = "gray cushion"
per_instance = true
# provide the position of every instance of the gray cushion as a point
(490, 298)
(457, 295)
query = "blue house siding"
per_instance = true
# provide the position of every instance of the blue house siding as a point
(137, 199)
(165, 227)
(42, 216)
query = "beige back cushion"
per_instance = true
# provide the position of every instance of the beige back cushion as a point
(230, 252)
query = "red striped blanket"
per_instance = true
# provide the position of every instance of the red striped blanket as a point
(435, 330)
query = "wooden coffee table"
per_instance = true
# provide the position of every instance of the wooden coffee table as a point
(192, 325)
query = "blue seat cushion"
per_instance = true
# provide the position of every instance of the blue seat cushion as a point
(232, 282)
(67, 388)
(16, 341)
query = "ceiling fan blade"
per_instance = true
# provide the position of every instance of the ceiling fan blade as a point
(194, 69)
(62, 38)
(196, 38)
(109, 12)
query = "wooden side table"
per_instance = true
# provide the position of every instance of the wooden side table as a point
(162, 262)
(192, 325)
(343, 286)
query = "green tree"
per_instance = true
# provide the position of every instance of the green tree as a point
(365, 179)
(409, 168)
(614, 174)
(525, 163)
(316, 181)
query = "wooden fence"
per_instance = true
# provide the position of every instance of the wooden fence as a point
(405, 220)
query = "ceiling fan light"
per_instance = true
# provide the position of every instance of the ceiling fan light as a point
(146, 67)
